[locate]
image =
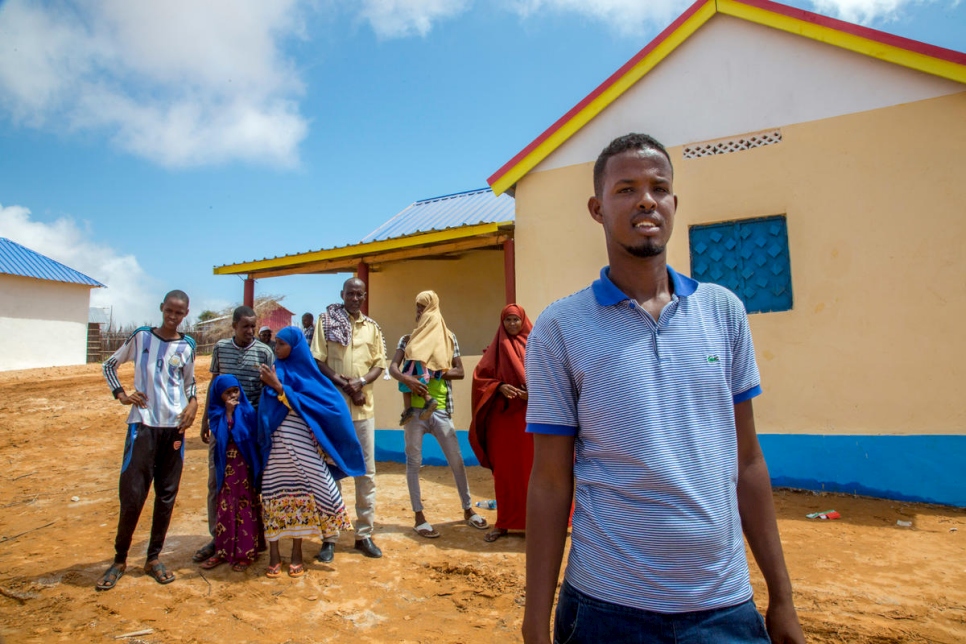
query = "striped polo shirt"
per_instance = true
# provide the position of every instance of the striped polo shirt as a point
(651, 404)
(242, 362)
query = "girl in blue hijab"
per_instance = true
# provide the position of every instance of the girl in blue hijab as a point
(234, 430)
(308, 442)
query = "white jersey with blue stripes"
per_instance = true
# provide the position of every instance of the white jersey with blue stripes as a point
(164, 370)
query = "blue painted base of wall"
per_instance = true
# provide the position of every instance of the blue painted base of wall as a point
(390, 446)
(930, 468)
(926, 468)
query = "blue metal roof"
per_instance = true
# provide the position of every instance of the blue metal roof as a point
(449, 211)
(20, 260)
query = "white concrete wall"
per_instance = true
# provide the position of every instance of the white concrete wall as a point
(42, 323)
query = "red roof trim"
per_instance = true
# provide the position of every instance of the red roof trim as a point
(766, 5)
(613, 78)
(885, 38)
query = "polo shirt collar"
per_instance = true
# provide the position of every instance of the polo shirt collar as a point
(607, 293)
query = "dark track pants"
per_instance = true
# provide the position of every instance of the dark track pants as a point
(149, 456)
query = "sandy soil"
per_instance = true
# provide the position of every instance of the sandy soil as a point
(859, 579)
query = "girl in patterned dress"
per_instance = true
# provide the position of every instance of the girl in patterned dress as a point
(233, 427)
(307, 441)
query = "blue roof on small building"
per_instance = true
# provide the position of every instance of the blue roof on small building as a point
(21, 261)
(449, 211)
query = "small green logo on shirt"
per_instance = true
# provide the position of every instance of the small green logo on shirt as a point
(713, 359)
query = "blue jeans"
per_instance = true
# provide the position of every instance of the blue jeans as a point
(581, 619)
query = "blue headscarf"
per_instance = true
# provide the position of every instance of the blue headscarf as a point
(243, 430)
(316, 401)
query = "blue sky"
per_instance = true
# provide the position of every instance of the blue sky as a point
(144, 143)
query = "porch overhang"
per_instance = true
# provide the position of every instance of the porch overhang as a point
(434, 244)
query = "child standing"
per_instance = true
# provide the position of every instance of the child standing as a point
(163, 406)
(233, 425)
(239, 356)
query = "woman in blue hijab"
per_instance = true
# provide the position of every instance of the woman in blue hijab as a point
(233, 427)
(307, 441)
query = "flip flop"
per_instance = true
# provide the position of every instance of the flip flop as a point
(241, 566)
(213, 562)
(493, 535)
(205, 552)
(296, 570)
(274, 571)
(159, 573)
(426, 530)
(427, 412)
(109, 579)
(476, 521)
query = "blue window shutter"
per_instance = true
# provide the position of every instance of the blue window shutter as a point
(749, 257)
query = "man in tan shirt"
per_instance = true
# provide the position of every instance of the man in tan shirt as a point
(350, 350)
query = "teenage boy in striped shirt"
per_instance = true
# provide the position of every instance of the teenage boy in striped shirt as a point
(163, 406)
(640, 392)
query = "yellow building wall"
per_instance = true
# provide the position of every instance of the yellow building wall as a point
(876, 211)
(471, 296)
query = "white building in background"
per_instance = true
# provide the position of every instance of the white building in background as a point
(44, 309)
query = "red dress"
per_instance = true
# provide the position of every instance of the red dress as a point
(498, 429)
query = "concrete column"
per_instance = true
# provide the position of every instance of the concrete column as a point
(509, 272)
(249, 292)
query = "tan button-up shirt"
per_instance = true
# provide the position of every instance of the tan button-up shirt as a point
(366, 350)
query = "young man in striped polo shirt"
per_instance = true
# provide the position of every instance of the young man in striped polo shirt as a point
(163, 406)
(239, 356)
(640, 390)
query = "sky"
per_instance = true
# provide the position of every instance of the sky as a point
(144, 143)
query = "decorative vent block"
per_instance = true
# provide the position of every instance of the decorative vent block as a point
(748, 256)
(737, 144)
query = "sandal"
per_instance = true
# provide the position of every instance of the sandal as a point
(241, 566)
(426, 530)
(109, 579)
(476, 521)
(493, 535)
(429, 409)
(158, 572)
(213, 562)
(204, 553)
(274, 571)
(296, 570)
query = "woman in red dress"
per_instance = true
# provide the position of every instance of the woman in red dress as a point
(498, 429)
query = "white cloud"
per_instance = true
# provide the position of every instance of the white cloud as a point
(864, 11)
(179, 82)
(132, 293)
(627, 17)
(398, 18)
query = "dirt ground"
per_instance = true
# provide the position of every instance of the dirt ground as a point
(861, 579)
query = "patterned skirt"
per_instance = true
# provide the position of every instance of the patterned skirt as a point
(236, 531)
(299, 496)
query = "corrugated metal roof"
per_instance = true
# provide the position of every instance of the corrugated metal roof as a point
(449, 211)
(20, 260)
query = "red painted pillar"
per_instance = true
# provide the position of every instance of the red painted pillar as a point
(510, 271)
(250, 292)
(362, 272)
